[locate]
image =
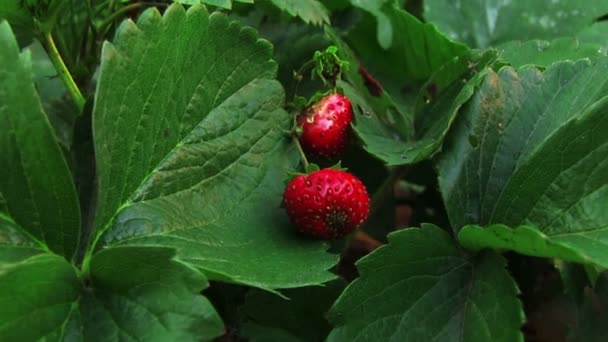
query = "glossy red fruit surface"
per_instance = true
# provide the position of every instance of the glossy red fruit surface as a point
(326, 204)
(325, 126)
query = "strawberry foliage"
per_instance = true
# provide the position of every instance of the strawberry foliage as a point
(155, 183)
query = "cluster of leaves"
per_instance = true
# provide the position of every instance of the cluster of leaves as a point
(120, 204)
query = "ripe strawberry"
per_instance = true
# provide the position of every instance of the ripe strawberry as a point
(327, 203)
(325, 126)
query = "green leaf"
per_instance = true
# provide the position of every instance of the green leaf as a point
(17, 14)
(451, 87)
(190, 150)
(37, 295)
(593, 314)
(563, 187)
(15, 244)
(440, 101)
(482, 23)
(140, 293)
(38, 287)
(376, 124)
(384, 28)
(513, 121)
(143, 293)
(310, 11)
(384, 122)
(595, 34)
(299, 317)
(377, 115)
(544, 53)
(523, 239)
(32, 15)
(45, 206)
(422, 287)
(420, 50)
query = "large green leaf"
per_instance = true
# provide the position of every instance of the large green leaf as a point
(482, 23)
(134, 293)
(34, 177)
(562, 189)
(512, 114)
(531, 149)
(299, 317)
(544, 53)
(191, 151)
(37, 295)
(143, 293)
(37, 289)
(422, 287)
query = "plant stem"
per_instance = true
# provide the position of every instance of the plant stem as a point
(365, 239)
(110, 19)
(120, 12)
(63, 71)
(300, 151)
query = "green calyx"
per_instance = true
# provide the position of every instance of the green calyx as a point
(328, 66)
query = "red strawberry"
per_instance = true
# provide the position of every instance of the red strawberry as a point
(327, 203)
(325, 126)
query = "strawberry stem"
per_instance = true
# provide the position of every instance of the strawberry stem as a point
(63, 71)
(300, 151)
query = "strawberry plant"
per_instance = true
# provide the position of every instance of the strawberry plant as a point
(155, 182)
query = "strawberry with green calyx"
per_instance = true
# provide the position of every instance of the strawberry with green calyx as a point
(323, 128)
(327, 204)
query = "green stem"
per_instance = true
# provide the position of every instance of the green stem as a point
(301, 152)
(110, 19)
(63, 71)
(120, 12)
